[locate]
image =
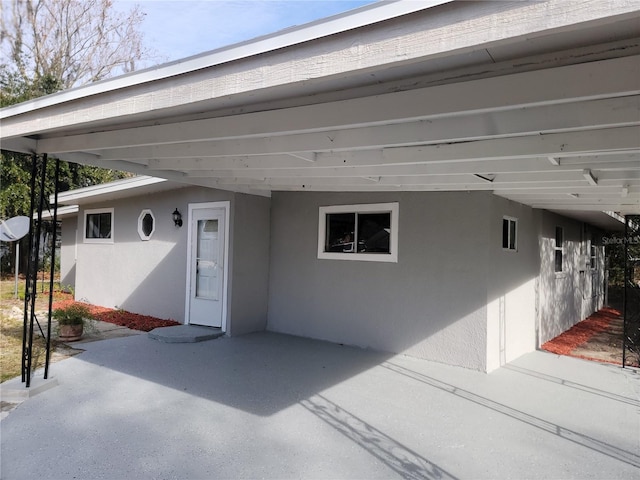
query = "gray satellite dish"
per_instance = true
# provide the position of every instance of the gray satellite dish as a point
(14, 229)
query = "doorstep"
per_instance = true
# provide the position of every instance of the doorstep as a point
(185, 333)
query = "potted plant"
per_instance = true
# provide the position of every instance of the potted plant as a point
(71, 320)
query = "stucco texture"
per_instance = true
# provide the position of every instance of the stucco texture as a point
(431, 304)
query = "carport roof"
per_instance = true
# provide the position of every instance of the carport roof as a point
(537, 102)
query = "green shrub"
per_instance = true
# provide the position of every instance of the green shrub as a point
(74, 314)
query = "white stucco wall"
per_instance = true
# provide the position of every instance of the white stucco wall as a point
(431, 304)
(68, 252)
(149, 277)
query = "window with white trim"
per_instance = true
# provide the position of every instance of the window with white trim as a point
(146, 224)
(558, 249)
(593, 255)
(509, 233)
(367, 232)
(98, 225)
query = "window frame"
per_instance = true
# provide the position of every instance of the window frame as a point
(510, 220)
(558, 249)
(144, 213)
(98, 211)
(392, 208)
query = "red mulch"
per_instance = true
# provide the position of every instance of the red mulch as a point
(581, 333)
(134, 321)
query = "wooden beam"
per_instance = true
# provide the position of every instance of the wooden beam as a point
(538, 88)
(490, 167)
(533, 120)
(622, 139)
(226, 163)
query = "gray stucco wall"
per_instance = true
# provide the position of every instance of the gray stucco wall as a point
(250, 264)
(68, 252)
(149, 277)
(567, 297)
(431, 304)
(511, 284)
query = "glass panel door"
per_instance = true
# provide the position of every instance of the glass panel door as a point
(207, 278)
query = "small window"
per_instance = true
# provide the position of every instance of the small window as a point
(359, 232)
(146, 224)
(558, 249)
(98, 226)
(593, 256)
(509, 233)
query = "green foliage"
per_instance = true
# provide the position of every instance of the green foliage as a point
(15, 178)
(72, 314)
(40, 63)
(13, 89)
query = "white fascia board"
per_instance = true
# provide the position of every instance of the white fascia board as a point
(94, 191)
(353, 19)
(63, 212)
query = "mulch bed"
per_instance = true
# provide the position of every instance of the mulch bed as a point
(577, 337)
(123, 318)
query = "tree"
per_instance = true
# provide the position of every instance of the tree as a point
(52, 45)
(70, 42)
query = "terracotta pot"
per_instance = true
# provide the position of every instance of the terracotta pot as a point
(71, 333)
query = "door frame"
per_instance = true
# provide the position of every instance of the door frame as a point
(226, 206)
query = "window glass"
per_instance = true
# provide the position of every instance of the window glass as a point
(373, 232)
(98, 225)
(509, 232)
(505, 233)
(340, 232)
(558, 247)
(359, 232)
(559, 237)
(147, 224)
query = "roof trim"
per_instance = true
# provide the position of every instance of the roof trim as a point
(63, 212)
(80, 194)
(353, 19)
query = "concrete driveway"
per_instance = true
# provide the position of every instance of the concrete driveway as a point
(274, 406)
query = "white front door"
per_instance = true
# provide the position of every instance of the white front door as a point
(206, 302)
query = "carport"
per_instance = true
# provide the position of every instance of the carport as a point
(534, 101)
(505, 106)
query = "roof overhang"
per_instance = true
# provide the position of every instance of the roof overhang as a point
(538, 102)
(120, 189)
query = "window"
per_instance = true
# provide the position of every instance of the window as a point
(146, 224)
(509, 233)
(559, 244)
(359, 232)
(98, 226)
(593, 256)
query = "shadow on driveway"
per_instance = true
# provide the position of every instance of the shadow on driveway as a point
(273, 406)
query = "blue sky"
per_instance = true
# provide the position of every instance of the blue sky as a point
(179, 28)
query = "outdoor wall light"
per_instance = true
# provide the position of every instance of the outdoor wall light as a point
(177, 218)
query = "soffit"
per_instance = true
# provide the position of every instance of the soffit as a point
(549, 119)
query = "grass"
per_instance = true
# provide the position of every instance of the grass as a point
(11, 325)
(11, 347)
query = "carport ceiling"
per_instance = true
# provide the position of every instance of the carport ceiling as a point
(549, 118)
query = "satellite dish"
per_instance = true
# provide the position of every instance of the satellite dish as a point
(14, 229)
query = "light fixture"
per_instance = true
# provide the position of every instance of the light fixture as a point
(177, 218)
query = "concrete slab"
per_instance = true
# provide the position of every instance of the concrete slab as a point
(185, 334)
(274, 406)
(14, 391)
